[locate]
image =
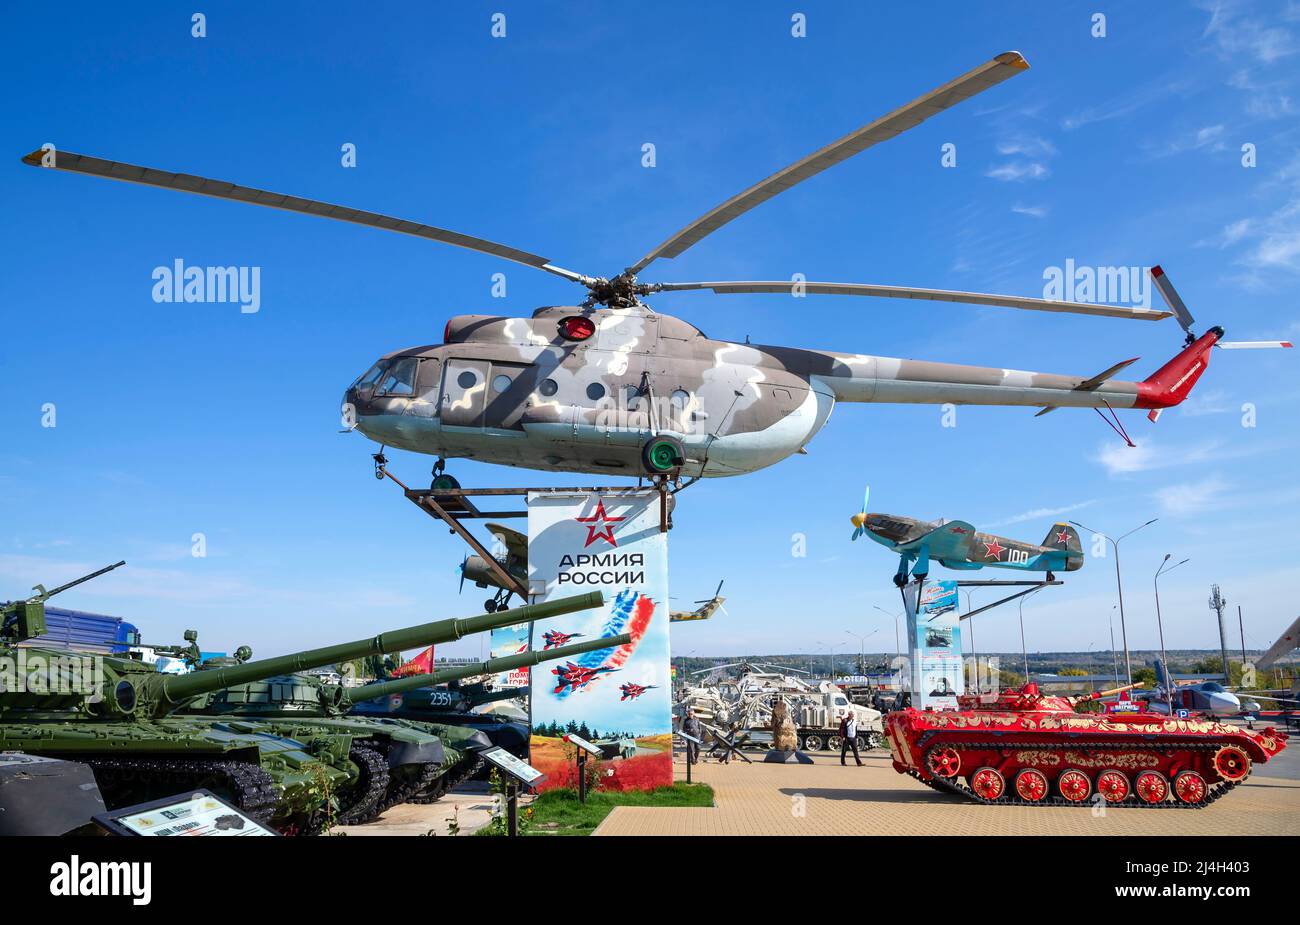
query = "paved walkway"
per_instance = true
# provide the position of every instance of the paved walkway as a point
(470, 805)
(826, 799)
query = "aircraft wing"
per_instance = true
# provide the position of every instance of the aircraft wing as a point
(516, 543)
(1285, 643)
(949, 541)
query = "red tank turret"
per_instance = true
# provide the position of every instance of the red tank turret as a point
(1026, 747)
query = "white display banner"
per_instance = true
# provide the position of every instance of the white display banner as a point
(934, 630)
(611, 542)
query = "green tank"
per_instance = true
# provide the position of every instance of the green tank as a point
(121, 717)
(292, 705)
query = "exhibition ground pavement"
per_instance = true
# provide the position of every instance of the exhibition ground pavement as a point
(824, 798)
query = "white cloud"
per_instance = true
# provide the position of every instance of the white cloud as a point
(1121, 459)
(1191, 497)
(1035, 211)
(1042, 513)
(1238, 36)
(1015, 171)
(1032, 146)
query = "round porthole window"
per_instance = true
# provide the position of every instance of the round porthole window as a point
(595, 391)
(466, 380)
(548, 387)
(681, 398)
(501, 383)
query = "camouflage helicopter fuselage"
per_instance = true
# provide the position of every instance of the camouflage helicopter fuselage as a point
(518, 392)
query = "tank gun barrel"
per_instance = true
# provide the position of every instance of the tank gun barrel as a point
(171, 691)
(491, 666)
(1098, 695)
(42, 594)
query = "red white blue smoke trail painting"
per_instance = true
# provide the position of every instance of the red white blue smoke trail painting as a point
(630, 613)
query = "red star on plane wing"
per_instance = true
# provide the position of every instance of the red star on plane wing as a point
(599, 528)
(994, 549)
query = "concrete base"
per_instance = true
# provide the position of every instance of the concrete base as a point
(779, 757)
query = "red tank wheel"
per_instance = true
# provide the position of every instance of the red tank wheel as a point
(1113, 786)
(1074, 785)
(988, 783)
(1031, 785)
(943, 762)
(1151, 787)
(1232, 763)
(1190, 788)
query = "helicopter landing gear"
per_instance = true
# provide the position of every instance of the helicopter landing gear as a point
(381, 462)
(662, 455)
(441, 480)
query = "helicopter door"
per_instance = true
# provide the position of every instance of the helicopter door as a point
(464, 393)
(427, 381)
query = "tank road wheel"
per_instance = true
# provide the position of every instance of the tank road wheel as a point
(943, 762)
(1113, 786)
(875, 740)
(988, 783)
(1074, 785)
(1031, 785)
(1232, 763)
(1190, 788)
(813, 743)
(662, 455)
(1151, 787)
(834, 742)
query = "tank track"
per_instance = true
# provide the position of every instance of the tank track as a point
(406, 793)
(958, 785)
(248, 787)
(456, 774)
(373, 784)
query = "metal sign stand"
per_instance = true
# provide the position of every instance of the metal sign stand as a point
(1029, 586)
(584, 748)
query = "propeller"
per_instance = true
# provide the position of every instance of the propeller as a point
(715, 594)
(860, 520)
(463, 563)
(1185, 319)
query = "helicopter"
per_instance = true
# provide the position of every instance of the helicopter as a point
(610, 386)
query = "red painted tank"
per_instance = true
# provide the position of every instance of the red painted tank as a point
(1034, 749)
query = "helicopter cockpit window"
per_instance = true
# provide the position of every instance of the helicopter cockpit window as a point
(371, 375)
(400, 378)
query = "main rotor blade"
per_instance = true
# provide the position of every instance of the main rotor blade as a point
(220, 189)
(906, 292)
(1005, 65)
(1172, 298)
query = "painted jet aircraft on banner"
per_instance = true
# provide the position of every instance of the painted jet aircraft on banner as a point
(553, 639)
(575, 676)
(633, 691)
(612, 386)
(958, 545)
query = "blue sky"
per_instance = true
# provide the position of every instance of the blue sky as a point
(177, 419)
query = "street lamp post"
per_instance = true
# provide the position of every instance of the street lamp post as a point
(970, 624)
(1169, 685)
(862, 648)
(1024, 652)
(898, 646)
(1123, 628)
(1114, 658)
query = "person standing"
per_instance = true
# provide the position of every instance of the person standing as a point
(849, 738)
(691, 726)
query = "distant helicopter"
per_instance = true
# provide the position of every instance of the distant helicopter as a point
(610, 386)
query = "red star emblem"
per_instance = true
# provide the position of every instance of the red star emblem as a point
(994, 549)
(957, 530)
(1063, 538)
(599, 528)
